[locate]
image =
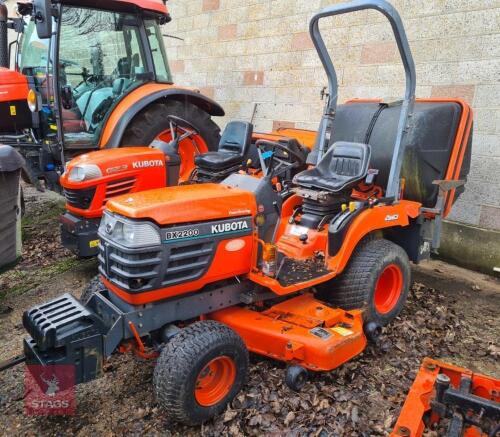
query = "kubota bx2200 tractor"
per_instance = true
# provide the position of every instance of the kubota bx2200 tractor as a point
(200, 274)
(94, 75)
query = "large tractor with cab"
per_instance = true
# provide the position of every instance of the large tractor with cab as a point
(304, 263)
(94, 76)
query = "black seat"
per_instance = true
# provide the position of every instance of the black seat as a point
(344, 166)
(233, 148)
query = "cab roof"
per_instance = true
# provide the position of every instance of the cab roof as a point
(155, 6)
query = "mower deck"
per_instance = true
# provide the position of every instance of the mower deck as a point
(301, 330)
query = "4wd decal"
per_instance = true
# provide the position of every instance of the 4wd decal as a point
(149, 163)
(391, 218)
(219, 229)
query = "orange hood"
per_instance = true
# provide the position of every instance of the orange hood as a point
(185, 203)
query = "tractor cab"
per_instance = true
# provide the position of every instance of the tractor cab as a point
(93, 72)
(101, 55)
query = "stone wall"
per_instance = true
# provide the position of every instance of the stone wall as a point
(246, 52)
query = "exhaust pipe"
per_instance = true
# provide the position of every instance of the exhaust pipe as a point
(4, 43)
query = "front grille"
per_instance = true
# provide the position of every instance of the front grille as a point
(187, 263)
(79, 198)
(140, 270)
(131, 270)
(116, 188)
(185, 255)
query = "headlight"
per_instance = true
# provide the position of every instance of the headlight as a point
(127, 233)
(33, 101)
(84, 172)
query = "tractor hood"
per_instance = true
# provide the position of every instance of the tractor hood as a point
(11, 77)
(13, 86)
(185, 203)
(113, 163)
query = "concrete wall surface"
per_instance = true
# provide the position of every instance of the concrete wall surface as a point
(243, 52)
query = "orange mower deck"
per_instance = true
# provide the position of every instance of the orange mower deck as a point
(301, 330)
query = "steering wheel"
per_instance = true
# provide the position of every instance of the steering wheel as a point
(180, 129)
(277, 165)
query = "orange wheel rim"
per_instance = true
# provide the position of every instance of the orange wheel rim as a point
(188, 149)
(388, 289)
(215, 381)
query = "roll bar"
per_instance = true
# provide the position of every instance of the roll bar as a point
(323, 138)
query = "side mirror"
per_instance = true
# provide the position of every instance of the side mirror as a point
(42, 14)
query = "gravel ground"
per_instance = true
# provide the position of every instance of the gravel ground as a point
(451, 314)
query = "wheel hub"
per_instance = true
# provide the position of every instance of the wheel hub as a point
(388, 289)
(215, 381)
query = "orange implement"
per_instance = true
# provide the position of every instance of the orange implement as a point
(301, 330)
(423, 409)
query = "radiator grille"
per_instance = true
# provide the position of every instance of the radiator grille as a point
(187, 263)
(79, 198)
(116, 188)
(131, 271)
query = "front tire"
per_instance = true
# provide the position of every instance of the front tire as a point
(200, 371)
(377, 280)
(152, 124)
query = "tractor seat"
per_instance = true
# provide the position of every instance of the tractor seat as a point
(341, 168)
(233, 148)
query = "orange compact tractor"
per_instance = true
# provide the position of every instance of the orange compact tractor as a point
(450, 397)
(91, 179)
(306, 272)
(112, 88)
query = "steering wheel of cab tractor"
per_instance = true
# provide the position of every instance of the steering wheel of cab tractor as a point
(277, 165)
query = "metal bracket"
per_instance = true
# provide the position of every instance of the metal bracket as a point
(444, 187)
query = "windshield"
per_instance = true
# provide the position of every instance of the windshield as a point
(101, 58)
(34, 51)
(157, 47)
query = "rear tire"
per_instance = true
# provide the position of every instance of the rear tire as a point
(200, 371)
(152, 123)
(377, 280)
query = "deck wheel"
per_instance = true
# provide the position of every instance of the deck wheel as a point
(296, 377)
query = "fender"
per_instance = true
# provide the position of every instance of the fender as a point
(138, 99)
(370, 220)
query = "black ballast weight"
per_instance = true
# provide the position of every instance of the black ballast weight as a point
(63, 331)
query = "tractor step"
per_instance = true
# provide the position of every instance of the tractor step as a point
(294, 271)
(301, 330)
